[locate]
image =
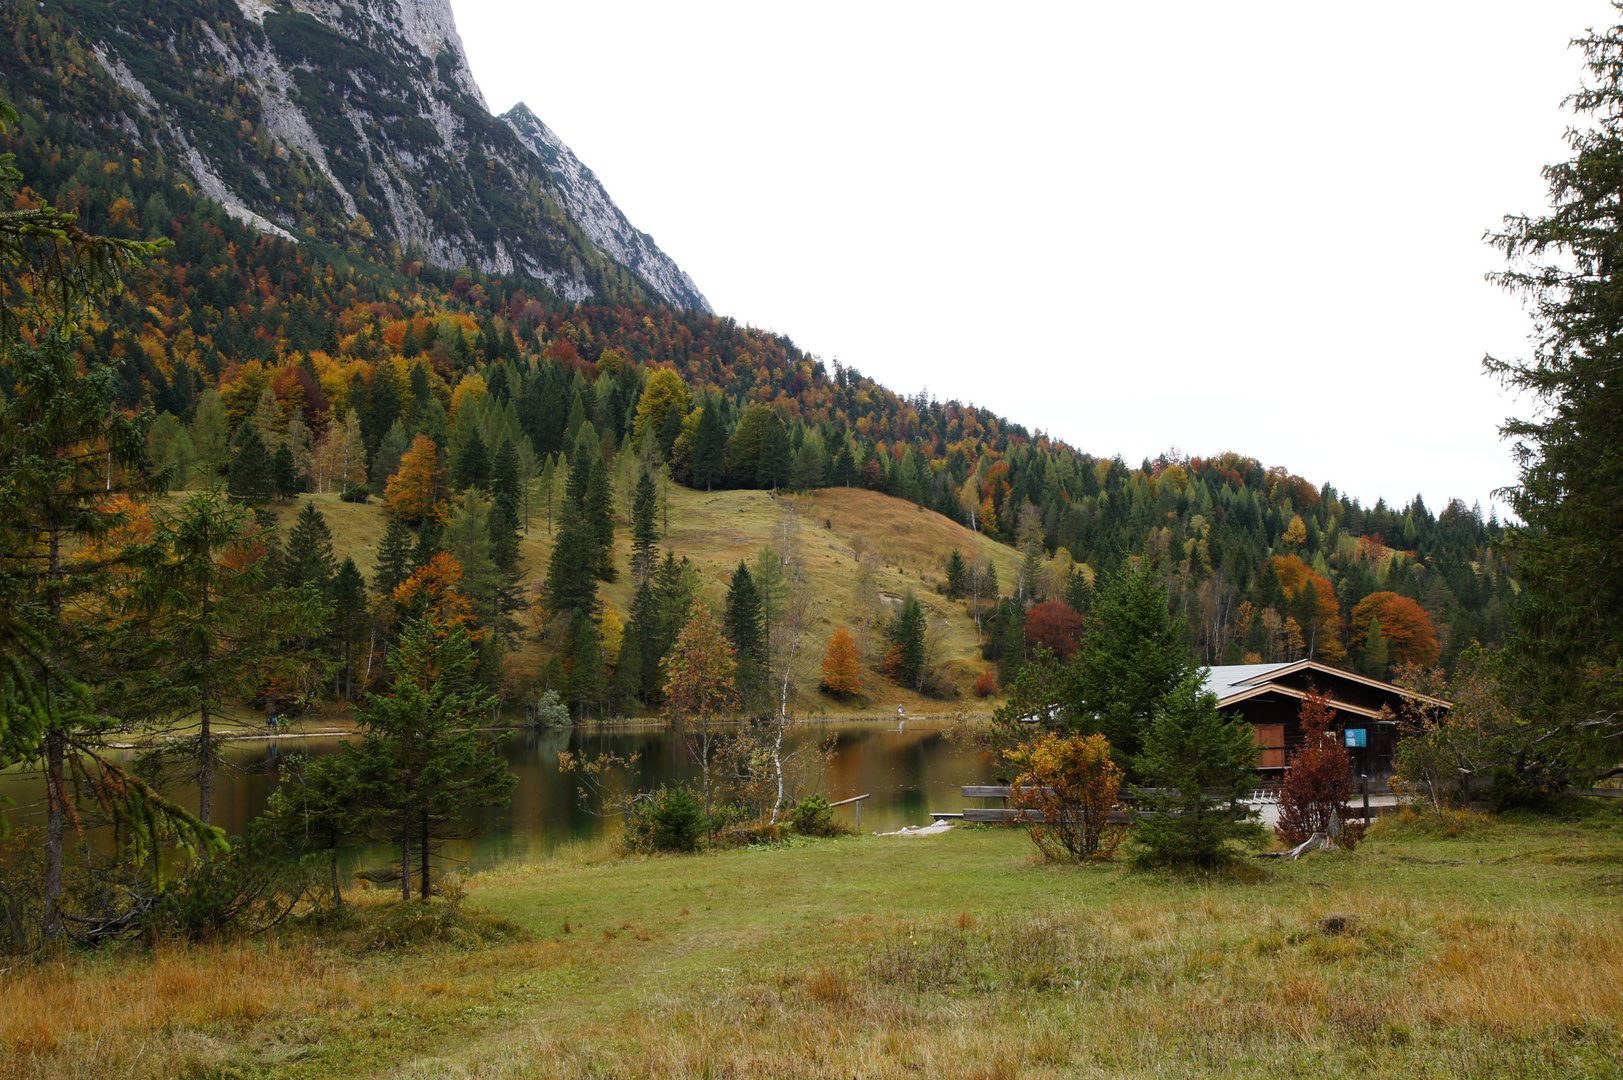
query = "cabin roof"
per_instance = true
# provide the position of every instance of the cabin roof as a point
(1237, 682)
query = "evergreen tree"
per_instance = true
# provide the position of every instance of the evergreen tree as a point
(584, 646)
(504, 518)
(572, 569)
(386, 461)
(644, 527)
(472, 462)
(382, 408)
(742, 624)
(420, 390)
(250, 477)
(348, 623)
(1377, 653)
(957, 576)
(422, 761)
(775, 465)
(598, 512)
(394, 562)
(308, 557)
(210, 630)
(904, 660)
(429, 542)
(1191, 750)
(708, 460)
(284, 474)
(1564, 653)
(845, 466)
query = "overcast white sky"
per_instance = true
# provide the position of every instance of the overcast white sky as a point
(1252, 226)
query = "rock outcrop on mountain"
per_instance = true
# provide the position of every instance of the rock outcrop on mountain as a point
(348, 123)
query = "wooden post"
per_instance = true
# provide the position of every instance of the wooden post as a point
(1363, 783)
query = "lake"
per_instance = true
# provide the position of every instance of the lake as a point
(909, 773)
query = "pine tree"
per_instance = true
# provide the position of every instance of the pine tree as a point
(422, 761)
(957, 576)
(573, 567)
(1192, 749)
(1377, 653)
(210, 628)
(845, 466)
(708, 460)
(598, 512)
(430, 535)
(393, 563)
(742, 624)
(284, 474)
(904, 660)
(645, 527)
(348, 622)
(472, 462)
(382, 407)
(386, 460)
(250, 477)
(584, 647)
(775, 464)
(308, 557)
(504, 518)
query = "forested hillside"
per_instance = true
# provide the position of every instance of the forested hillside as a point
(365, 366)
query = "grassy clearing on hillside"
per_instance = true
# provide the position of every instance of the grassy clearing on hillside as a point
(718, 529)
(1493, 954)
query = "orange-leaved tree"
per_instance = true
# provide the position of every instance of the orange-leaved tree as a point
(699, 688)
(1065, 792)
(842, 670)
(1319, 780)
(1404, 625)
(1312, 603)
(419, 484)
(432, 591)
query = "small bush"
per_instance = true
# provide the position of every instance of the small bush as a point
(986, 684)
(357, 494)
(1067, 790)
(814, 817)
(669, 819)
(547, 711)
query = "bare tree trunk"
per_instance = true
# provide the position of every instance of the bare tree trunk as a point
(205, 750)
(405, 862)
(337, 897)
(55, 830)
(422, 852)
(56, 791)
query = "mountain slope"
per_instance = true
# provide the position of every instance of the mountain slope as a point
(355, 124)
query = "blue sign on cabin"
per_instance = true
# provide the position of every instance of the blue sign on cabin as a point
(1356, 737)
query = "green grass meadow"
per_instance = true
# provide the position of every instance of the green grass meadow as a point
(1468, 947)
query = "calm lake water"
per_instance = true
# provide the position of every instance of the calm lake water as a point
(908, 772)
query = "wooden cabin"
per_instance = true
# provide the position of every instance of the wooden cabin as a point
(1269, 697)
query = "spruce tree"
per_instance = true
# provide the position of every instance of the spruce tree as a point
(645, 527)
(904, 661)
(742, 623)
(775, 463)
(1202, 763)
(284, 475)
(308, 557)
(472, 463)
(584, 647)
(598, 512)
(250, 476)
(504, 518)
(430, 540)
(381, 409)
(572, 570)
(393, 563)
(957, 576)
(422, 761)
(707, 463)
(348, 622)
